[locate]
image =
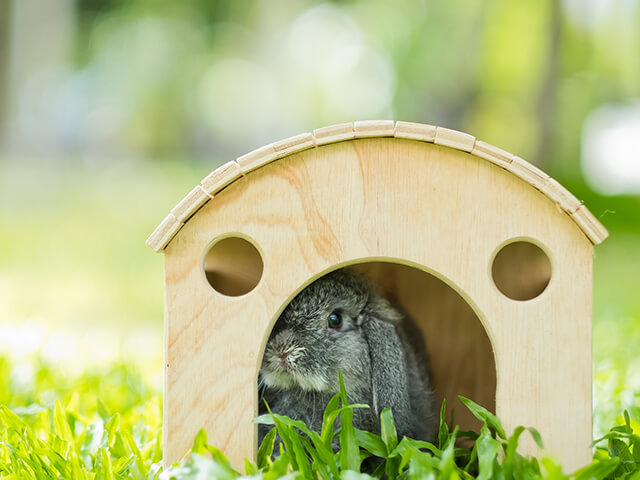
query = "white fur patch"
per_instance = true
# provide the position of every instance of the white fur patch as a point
(275, 375)
(314, 383)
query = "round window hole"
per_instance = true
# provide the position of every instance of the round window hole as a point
(233, 266)
(521, 270)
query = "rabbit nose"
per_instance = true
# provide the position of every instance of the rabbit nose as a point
(283, 359)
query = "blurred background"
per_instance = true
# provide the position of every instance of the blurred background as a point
(112, 110)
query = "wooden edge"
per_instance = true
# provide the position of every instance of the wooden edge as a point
(492, 153)
(221, 177)
(294, 144)
(163, 234)
(231, 171)
(415, 131)
(267, 154)
(561, 196)
(257, 158)
(190, 204)
(590, 225)
(374, 128)
(454, 139)
(334, 133)
(528, 172)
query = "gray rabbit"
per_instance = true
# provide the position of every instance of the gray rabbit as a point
(342, 323)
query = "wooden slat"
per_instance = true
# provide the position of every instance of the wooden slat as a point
(221, 177)
(257, 158)
(162, 235)
(415, 131)
(492, 153)
(190, 204)
(528, 172)
(561, 196)
(334, 133)
(590, 225)
(454, 139)
(374, 128)
(294, 144)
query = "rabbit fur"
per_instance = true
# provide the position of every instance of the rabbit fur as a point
(377, 348)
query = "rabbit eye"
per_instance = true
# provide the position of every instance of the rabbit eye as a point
(334, 321)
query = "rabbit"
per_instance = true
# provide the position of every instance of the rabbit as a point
(341, 322)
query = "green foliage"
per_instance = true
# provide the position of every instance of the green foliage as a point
(491, 454)
(105, 424)
(65, 432)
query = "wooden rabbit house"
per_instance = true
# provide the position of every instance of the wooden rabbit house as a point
(490, 256)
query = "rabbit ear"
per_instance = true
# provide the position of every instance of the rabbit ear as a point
(389, 376)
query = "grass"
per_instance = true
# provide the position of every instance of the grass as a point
(106, 424)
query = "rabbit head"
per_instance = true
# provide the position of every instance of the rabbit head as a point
(319, 334)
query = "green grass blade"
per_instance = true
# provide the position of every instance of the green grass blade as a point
(598, 471)
(351, 475)
(536, 436)
(443, 429)
(635, 443)
(220, 459)
(488, 448)
(553, 471)
(141, 465)
(388, 429)
(328, 419)
(200, 442)
(447, 463)
(112, 427)
(106, 473)
(509, 462)
(485, 416)
(319, 466)
(422, 466)
(293, 445)
(389, 436)
(372, 443)
(250, 468)
(62, 428)
(266, 448)
(349, 451)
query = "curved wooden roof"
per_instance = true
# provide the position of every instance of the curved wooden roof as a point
(217, 180)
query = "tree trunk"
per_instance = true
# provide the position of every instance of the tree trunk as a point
(546, 103)
(39, 42)
(5, 17)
